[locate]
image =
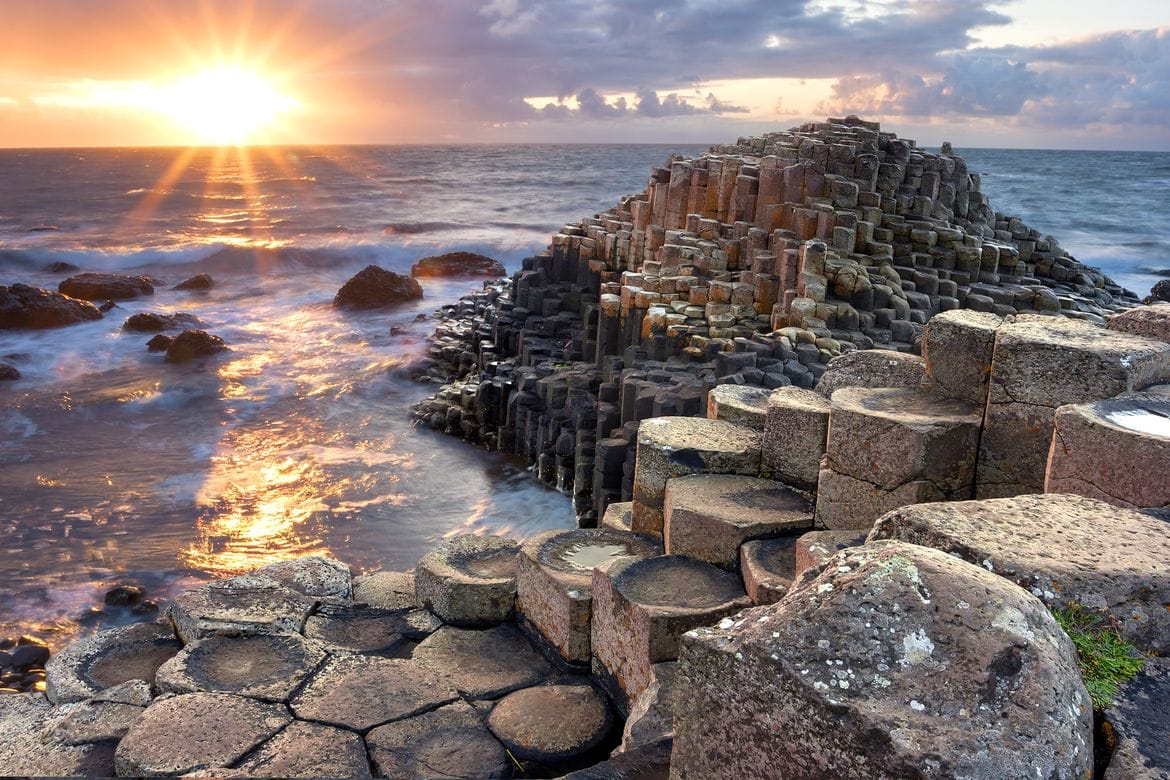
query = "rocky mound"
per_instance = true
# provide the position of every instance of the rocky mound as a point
(458, 264)
(106, 287)
(22, 306)
(375, 288)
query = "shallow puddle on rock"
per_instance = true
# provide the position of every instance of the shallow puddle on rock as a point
(1154, 423)
(589, 556)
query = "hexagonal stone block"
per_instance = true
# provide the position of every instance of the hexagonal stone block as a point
(310, 750)
(872, 368)
(248, 604)
(893, 660)
(362, 629)
(93, 721)
(194, 731)
(469, 580)
(816, 547)
(1053, 546)
(1039, 364)
(957, 346)
(708, 516)
(1117, 450)
(768, 567)
(359, 692)
(260, 667)
(618, 516)
(740, 404)
(676, 446)
(88, 666)
(845, 503)
(795, 430)
(482, 664)
(448, 742)
(554, 583)
(385, 590)
(551, 724)
(642, 608)
(317, 576)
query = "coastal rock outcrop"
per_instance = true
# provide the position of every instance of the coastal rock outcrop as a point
(193, 344)
(22, 306)
(106, 287)
(9, 373)
(150, 322)
(458, 264)
(375, 288)
(197, 282)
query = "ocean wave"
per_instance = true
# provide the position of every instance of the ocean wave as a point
(416, 228)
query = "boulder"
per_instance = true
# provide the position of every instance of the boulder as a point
(795, 430)
(22, 306)
(106, 287)
(193, 344)
(1052, 546)
(469, 580)
(458, 264)
(195, 731)
(551, 724)
(91, 665)
(197, 282)
(890, 661)
(448, 742)
(149, 322)
(872, 368)
(482, 664)
(262, 667)
(8, 373)
(375, 288)
(61, 267)
(160, 343)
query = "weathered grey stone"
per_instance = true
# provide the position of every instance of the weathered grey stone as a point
(1149, 321)
(482, 664)
(135, 692)
(88, 666)
(28, 748)
(248, 604)
(1137, 725)
(1041, 363)
(359, 692)
(551, 723)
(1117, 450)
(644, 762)
(872, 368)
(310, 750)
(362, 629)
(317, 576)
(554, 583)
(768, 567)
(385, 590)
(93, 721)
(740, 404)
(708, 516)
(196, 730)
(1054, 546)
(957, 346)
(260, 667)
(677, 446)
(651, 717)
(469, 580)
(795, 432)
(642, 607)
(891, 661)
(816, 547)
(447, 742)
(845, 503)
(618, 516)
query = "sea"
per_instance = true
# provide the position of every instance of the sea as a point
(117, 468)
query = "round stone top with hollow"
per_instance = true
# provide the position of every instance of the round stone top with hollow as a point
(678, 582)
(1148, 415)
(905, 406)
(739, 501)
(551, 723)
(261, 667)
(696, 433)
(470, 557)
(572, 555)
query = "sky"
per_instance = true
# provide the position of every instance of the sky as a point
(1076, 74)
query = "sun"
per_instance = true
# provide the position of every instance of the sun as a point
(225, 104)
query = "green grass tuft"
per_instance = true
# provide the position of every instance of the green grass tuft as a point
(1107, 661)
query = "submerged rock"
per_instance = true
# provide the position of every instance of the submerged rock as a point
(22, 306)
(160, 343)
(197, 282)
(375, 288)
(8, 373)
(114, 287)
(61, 267)
(149, 322)
(193, 344)
(458, 264)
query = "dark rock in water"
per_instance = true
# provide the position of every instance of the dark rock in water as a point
(61, 267)
(197, 282)
(116, 287)
(107, 307)
(374, 287)
(26, 656)
(458, 264)
(124, 595)
(149, 322)
(22, 306)
(192, 344)
(1159, 292)
(160, 343)
(8, 373)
